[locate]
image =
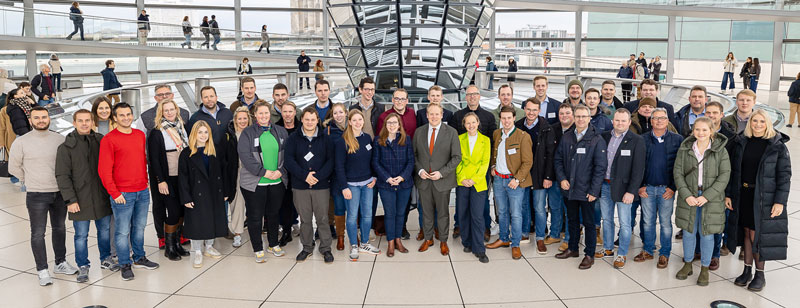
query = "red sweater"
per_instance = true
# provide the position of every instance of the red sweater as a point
(409, 120)
(123, 164)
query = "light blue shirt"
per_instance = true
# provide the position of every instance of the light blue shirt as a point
(693, 116)
(209, 112)
(532, 125)
(502, 166)
(543, 106)
(579, 135)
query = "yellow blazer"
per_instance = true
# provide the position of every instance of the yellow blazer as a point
(474, 166)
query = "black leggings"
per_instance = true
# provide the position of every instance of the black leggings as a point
(171, 202)
(264, 202)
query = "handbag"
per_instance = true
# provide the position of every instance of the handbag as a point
(4, 163)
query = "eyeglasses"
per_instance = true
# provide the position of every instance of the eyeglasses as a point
(399, 99)
(660, 118)
(392, 123)
(368, 90)
(581, 117)
(473, 94)
(164, 94)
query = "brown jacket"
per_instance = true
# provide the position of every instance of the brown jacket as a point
(520, 158)
(7, 135)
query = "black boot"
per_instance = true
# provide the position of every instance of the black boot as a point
(286, 237)
(333, 231)
(758, 282)
(745, 277)
(169, 247)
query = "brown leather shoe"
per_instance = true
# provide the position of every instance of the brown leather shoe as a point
(340, 242)
(663, 262)
(444, 248)
(714, 264)
(619, 263)
(425, 245)
(567, 254)
(516, 253)
(420, 235)
(549, 240)
(642, 256)
(586, 263)
(497, 244)
(399, 245)
(390, 250)
(564, 246)
(540, 247)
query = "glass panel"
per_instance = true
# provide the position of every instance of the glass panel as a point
(463, 15)
(342, 15)
(347, 37)
(610, 49)
(420, 57)
(652, 49)
(356, 75)
(418, 80)
(386, 80)
(421, 13)
(353, 56)
(752, 31)
(612, 30)
(376, 14)
(415, 37)
(486, 16)
(481, 34)
(450, 79)
(455, 37)
(468, 76)
(793, 30)
(379, 36)
(653, 30)
(456, 57)
(760, 50)
(381, 57)
(334, 2)
(703, 50)
(706, 30)
(791, 53)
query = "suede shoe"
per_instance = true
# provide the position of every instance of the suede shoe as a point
(642, 256)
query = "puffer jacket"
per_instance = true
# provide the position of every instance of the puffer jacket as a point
(77, 177)
(772, 186)
(582, 163)
(716, 172)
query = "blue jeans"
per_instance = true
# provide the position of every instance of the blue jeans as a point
(540, 215)
(103, 226)
(470, 203)
(557, 211)
(188, 41)
(607, 206)
(634, 207)
(129, 220)
(526, 211)
(725, 78)
(43, 102)
(654, 206)
(395, 202)
(217, 39)
(361, 203)
(706, 242)
(339, 203)
(753, 83)
(509, 203)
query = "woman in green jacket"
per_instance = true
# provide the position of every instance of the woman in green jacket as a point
(471, 192)
(702, 169)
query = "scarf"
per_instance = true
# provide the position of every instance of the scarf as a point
(22, 103)
(176, 133)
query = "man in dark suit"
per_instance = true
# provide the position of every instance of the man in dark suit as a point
(434, 96)
(650, 89)
(437, 153)
(625, 154)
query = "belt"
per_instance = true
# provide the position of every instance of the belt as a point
(607, 181)
(699, 188)
(748, 185)
(503, 176)
(173, 150)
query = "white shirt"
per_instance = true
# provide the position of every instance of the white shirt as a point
(430, 131)
(502, 166)
(472, 141)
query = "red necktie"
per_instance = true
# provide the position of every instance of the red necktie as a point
(433, 138)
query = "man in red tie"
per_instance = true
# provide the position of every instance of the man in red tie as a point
(437, 153)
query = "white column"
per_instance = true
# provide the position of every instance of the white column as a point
(142, 59)
(492, 34)
(671, 28)
(29, 27)
(237, 17)
(578, 38)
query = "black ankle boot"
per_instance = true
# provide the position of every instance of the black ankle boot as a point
(745, 277)
(169, 247)
(333, 231)
(758, 282)
(286, 237)
(178, 247)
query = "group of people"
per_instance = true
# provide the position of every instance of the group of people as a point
(590, 158)
(491, 67)
(637, 68)
(750, 72)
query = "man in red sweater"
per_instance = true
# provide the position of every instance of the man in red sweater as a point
(123, 169)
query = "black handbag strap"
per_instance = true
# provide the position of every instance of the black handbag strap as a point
(696, 166)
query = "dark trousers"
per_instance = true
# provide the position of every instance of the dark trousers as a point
(39, 204)
(78, 28)
(159, 211)
(308, 84)
(265, 202)
(470, 206)
(575, 209)
(57, 81)
(288, 212)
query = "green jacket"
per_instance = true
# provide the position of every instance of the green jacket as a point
(716, 173)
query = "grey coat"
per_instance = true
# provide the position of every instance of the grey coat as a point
(250, 156)
(445, 159)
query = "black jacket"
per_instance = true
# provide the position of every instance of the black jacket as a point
(377, 110)
(545, 149)
(321, 151)
(772, 186)
(582, 163)
(627, 167)
(19, 121)
(231, 164)
(41, 87)
(558, 133)
(487, 124)
(157, 157)
(632, 106)
(794, 92)
(77, 177)
(219, 126)
(422, 116)
(303, 66)
(208, 219)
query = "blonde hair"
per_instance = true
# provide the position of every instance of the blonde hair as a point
(349, 137)
(706, 121)
(770, 131)
(327, 121)
(242, 109)
(209, 147)
(160, 113)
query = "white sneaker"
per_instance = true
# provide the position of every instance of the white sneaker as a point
(237, 241)
(197, 259)
(369, 249)
(44, 278)
(211, 252)
(276, 251)
(65, 268)
(354, 253)
(260, 257)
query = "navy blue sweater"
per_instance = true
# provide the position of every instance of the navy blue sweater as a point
(353, 167)
(393, 160)
(656, 159)
(298, 148)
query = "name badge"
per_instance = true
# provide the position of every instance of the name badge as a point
(581, 151)
(369, 147)
(660, 140)
(309, 156)
(625, 152)
(551, 115)
(512, 151)
(255, 142)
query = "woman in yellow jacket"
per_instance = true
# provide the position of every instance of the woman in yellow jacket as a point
(471, 193)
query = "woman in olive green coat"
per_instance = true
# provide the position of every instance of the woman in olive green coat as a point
(702, 170)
